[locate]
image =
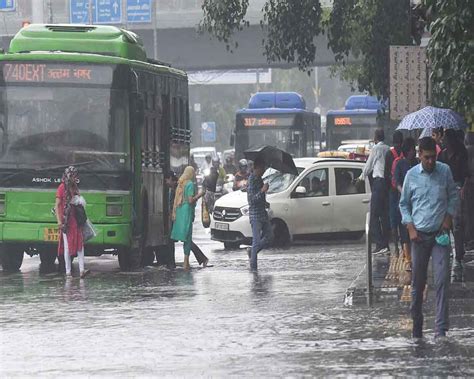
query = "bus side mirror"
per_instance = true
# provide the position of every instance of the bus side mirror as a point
(232, 139)
(138, 108)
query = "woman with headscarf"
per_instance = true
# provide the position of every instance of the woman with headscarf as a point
(183, 211)
(71, 242)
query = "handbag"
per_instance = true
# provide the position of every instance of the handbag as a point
(88, 231)
(205, 218)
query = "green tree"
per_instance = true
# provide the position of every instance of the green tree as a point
(451, 55)
(364, 30)
(361, 29)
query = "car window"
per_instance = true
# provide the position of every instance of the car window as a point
(346, 181)
(316, 183)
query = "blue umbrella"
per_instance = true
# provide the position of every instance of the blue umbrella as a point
(432, 118)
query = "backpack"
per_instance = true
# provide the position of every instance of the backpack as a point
(394, 166)
(81, 216)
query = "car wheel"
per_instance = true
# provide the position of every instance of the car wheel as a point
(281, 235)
(231, 245)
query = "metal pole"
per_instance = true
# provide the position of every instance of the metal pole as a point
(155, 31)
(368, 240)
(89, 12)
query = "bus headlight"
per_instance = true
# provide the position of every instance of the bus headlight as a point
(245, 210)
(114, 210)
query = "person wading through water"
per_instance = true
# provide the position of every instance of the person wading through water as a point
(183, 212)
(172, 182)
(427, 204)
(71, 242)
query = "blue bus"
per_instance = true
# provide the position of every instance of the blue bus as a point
(278, 119)
(358, 120)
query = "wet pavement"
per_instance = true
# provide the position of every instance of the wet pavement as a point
(287, 320)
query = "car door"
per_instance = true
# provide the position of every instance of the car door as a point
(311, 211)
(351, 201)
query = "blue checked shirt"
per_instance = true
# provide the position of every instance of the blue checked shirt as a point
(256, 199)
(428, 197)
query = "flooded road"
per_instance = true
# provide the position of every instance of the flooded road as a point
(287, 320)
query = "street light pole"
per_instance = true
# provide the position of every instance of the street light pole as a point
(89, 12)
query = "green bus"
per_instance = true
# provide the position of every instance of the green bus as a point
(88, 96)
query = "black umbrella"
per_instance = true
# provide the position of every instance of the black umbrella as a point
(273, 157)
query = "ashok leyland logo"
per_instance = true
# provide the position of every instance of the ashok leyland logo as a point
(46, 180)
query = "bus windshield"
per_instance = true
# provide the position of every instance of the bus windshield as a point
(48, 126)
(289, 140)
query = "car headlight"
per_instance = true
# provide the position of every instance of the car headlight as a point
(245, 210)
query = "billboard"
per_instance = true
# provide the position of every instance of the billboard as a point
(408, 80)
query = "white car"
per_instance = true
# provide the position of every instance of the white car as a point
(324, 198)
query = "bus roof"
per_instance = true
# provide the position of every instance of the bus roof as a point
(84, 43)
(97, 39)
(352, 112)
(246, 111)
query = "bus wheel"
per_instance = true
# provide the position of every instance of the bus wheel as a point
(281, 235)
(11, 257)
(47, 257)
(124, 259)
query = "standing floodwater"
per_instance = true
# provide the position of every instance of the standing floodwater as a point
(289, 319)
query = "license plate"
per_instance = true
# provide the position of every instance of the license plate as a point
(51, 234)
(221, 226)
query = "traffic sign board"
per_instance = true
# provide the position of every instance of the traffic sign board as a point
(109, 11)
(7, 5)
(208, 131)
(79, 11)
(139, 11)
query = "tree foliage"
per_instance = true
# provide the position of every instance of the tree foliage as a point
(360, 33)
(291, 27)
(451, 55)
(364, 30)
(222, 18)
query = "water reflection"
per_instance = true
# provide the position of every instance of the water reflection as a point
(261, 284)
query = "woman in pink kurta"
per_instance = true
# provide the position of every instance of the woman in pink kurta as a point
(71, 241)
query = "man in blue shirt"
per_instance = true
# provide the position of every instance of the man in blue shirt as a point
(262, 234)
(427, 204)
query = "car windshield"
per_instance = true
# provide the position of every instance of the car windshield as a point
(278, 181)
(46, 126)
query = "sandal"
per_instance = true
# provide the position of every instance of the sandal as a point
(84, 273)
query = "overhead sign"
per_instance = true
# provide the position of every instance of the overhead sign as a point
(56, 73)
(7, 5)
(208, 131)
(79, 11)
(139, 11)
(109, 11)
(408, 80)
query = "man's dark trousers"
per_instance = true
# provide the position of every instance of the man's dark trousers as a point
(379, 221)
(458, 230)
(421, 252)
